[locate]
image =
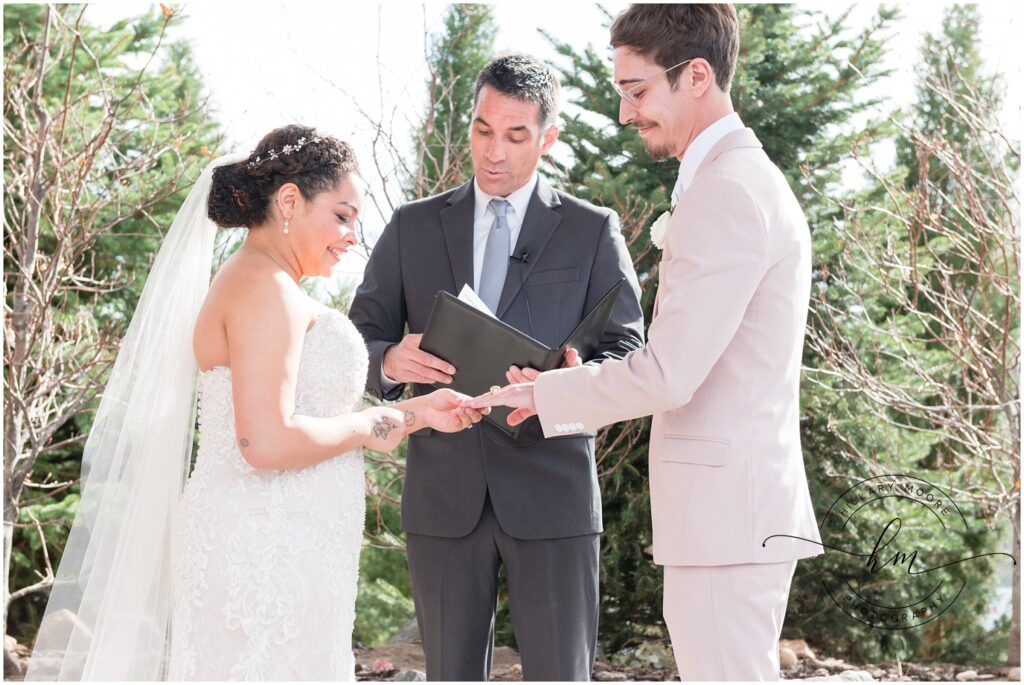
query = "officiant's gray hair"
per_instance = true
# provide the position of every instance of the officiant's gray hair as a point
(523, 77)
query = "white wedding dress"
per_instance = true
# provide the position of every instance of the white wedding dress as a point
(265, 563)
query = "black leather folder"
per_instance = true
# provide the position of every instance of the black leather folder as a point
(482, 347)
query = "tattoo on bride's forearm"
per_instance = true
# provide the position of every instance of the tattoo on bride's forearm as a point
(383, 427)
(410, 418)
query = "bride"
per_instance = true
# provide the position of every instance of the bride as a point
(250, 570)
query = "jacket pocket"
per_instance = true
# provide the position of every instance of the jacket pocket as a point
(553, 276)
(695, 449)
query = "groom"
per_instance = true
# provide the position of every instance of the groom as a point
(721, 369)
(478, 500)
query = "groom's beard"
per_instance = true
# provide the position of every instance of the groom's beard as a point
(658, 151)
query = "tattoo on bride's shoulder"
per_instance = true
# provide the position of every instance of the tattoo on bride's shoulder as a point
(383, 427)
(243, 442)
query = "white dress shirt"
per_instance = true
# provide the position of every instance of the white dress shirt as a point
(699, 149)
(483, 218)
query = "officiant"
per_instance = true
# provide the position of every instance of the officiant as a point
(479, 500)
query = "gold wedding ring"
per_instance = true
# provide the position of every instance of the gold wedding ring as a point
(495, 389)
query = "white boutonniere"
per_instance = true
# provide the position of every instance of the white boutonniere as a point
(658, 229)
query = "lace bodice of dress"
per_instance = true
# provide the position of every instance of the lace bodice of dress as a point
(331, 378)
(267, 562)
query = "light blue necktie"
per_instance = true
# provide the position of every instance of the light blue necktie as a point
(496, 252)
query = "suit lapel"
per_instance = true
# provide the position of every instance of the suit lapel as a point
(457, 227)
(539, 224)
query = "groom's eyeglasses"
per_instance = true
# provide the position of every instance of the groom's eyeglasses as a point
(630, 94)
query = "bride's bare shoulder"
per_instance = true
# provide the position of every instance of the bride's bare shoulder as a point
(249, 280)
(246, 288)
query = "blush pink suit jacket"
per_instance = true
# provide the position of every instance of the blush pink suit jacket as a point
(720, 372)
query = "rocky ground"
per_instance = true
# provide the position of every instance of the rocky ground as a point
(403, 661)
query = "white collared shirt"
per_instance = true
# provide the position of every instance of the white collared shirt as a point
(483, 219)
(699, 149)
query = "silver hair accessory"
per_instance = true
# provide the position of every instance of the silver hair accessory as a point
(286, 150)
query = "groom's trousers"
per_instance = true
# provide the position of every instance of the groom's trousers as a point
(553, 600)
(725, 621)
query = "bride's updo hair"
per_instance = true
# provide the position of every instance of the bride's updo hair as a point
(240, 193)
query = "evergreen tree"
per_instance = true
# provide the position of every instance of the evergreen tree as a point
(952, 58)
(457, 55)
(954, 94)
(919, 328)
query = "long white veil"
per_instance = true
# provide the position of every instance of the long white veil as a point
(108, 616)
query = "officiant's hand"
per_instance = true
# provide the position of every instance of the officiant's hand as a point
(527, 375)
(572, 358)
(407, 363)
(518, 396)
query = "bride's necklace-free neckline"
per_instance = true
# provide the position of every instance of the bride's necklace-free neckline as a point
(276, 259)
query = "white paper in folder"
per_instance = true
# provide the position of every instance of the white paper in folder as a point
(469, 296)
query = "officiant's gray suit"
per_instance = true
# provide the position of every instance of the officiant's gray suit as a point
(478, 499)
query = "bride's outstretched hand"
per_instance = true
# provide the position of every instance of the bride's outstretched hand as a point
(519, 396)
(443, 410)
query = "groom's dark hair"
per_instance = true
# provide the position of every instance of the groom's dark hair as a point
(525, 78)
(670, 34)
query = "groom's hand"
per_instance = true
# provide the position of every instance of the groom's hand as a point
(519, 397)
(407, 363)
(518, 376)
